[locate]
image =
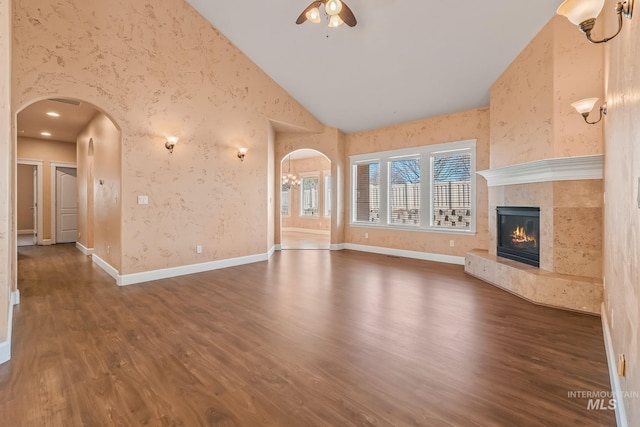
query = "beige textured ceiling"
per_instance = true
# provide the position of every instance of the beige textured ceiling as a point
(405, 60)
(73, 118)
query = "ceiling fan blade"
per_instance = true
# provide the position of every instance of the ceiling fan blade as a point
(303, 15)
(347, 15)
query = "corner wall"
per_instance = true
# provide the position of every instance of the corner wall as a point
(621, 211)
(6, 179)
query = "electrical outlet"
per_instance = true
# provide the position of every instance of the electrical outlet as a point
(143, 200)
(452, 243)
(198, 249)
(366, 235)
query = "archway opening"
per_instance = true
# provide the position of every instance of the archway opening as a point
(305, 200)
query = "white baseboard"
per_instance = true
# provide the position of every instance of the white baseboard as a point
(165, 273)
(337, 246)
(46, 242)
(5, 346)
(84, 249)
(15, 297)
(111, 271)
(23, 232)
(616, 389)
(307, 230)
(426, 256)
(271, 251)
(277, 247)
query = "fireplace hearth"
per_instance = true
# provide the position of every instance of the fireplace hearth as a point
(519, 234)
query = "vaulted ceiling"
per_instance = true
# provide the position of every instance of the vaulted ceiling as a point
(405, 59)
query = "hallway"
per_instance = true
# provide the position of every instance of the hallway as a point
(315, 338)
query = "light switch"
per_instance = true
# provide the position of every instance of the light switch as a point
(143, 200)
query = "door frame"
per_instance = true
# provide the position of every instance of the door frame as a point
(39, 164)
(54, 194)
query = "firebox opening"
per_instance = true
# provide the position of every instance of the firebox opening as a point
(519, 234)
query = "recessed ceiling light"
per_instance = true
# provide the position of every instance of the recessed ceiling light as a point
(45, 134)
(53, 114)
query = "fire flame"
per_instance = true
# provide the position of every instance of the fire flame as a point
(520, 236)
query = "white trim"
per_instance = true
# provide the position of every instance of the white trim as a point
(426, 256)
(46, 242)
(271, 251)
(39, 164)
(558, 169)
(82, 248)
(336, 246)
(616, 389)
(307, 230)
(25, 232)
(111, 271)
(277, 247)
(15, 297)
(54, 194)
(165, 273)
(424, 154)
(5, 346)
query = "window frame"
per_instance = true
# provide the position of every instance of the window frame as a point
(424, 153)
(288, 192)
(326, 195)
(304, 176)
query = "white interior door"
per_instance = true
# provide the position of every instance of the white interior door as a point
(66, 205)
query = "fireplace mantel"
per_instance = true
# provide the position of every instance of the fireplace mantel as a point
(556, 169)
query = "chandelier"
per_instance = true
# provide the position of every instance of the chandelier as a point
(289, 180)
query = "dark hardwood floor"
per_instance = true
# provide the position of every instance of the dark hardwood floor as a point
(310, 338)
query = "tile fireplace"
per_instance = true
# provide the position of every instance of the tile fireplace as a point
(518, 234)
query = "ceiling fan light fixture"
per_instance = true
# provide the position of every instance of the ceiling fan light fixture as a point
(335, 21)
(313, 15)
(333, 7)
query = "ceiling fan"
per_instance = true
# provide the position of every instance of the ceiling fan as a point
(336, 10)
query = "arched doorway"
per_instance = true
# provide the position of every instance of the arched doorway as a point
(73, 148)
(305, 200)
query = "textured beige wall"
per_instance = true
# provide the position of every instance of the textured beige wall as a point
(331, 143)
(25, 193)
(531, 113)
(7, 249)
(160, 69)
(621, 212)
(472, 124)
(48, 151)
(100, 212)
(299, 167)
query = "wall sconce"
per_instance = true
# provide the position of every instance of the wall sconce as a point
(171, 142)
(584, 107)
(241, 153)
(583, 13)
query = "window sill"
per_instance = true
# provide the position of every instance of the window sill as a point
(309, 216)
(437, 230)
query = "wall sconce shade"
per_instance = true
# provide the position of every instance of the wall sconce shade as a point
(171, 143)
(583, 13)
(584, 107)
(241, 153)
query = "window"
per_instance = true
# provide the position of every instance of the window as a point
(404, 191)
(451, 190)
(285, 200)
(327, 194)
(367, 192)
(309, 196)
(429, 188)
